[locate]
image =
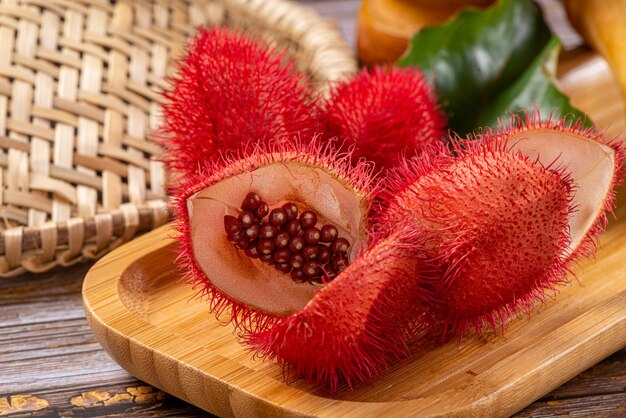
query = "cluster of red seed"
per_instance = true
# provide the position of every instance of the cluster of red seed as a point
(292, 244)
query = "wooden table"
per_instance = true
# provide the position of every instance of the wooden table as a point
(51, 365)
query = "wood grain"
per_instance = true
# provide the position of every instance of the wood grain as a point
(48, 351)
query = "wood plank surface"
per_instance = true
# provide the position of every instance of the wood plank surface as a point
(76, 378)
(51, 365)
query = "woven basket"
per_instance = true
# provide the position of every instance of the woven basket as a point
(79, 93)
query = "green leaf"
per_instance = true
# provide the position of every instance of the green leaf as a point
(535, 88)
(487, 63)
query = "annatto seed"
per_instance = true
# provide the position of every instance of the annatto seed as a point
(247, 219)
(329, 233)
(312, 236)
(281, 240)
(298, 276)
(278, 217)
(291, 210)
(236, 237)
(253, 232)
(293, 228)
(251, 202)
(312, 269)
(323, 255)
(252, 251)
(267, 258)
(310, 252)
(283, 267)
(308, 219)
(296, 244)
(340, 246)
(268, 231)
(232, 225)
(243, 243)
(266, 246)
(262, 211)
(282, 256)
(292, 244)
(339, 263)
(297, 261)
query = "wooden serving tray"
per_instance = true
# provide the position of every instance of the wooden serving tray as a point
(155, 328)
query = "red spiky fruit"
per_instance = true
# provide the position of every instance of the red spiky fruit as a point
(594, 162)
(314, 177)
(506, 217)
(231, 89)
(386, 114)
(358, 324)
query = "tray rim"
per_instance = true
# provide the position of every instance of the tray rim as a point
(502, 402)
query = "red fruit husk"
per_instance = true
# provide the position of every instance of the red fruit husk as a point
(358, 324)
(246, 318)
(386, 114)
(519, 125)
(231, 89)
(497, 221)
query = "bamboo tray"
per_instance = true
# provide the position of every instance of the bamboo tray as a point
(154, 327)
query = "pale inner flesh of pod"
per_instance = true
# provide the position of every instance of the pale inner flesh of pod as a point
(590, 163)
(247, 280)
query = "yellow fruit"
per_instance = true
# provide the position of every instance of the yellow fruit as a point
(385, 26)
(603, 25)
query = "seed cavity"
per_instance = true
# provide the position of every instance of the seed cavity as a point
(293, 244)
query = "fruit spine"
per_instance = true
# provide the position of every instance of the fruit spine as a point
(230, 90)
(386, 114)
(358, 324)
(315, 154)
(505, 218)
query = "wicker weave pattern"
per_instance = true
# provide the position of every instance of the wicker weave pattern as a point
(79, 95)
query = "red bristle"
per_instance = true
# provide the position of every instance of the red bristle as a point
(339, 165)
(387, 114)
(358, 324)
(496, 224)
(497, 221)
(231, 89)
(527, 122)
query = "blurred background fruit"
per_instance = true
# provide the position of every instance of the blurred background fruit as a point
(603, 25)
(385, 26)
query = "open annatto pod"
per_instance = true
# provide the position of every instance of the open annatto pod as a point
(314, 177)
(358, 324)
(506, 217)
(347, 326)
(594, 162)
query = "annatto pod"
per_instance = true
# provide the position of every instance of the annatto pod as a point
(277, 238)
(507, 216)
(386, 114)
(358, 324)
(213, 251)
(231, 89)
